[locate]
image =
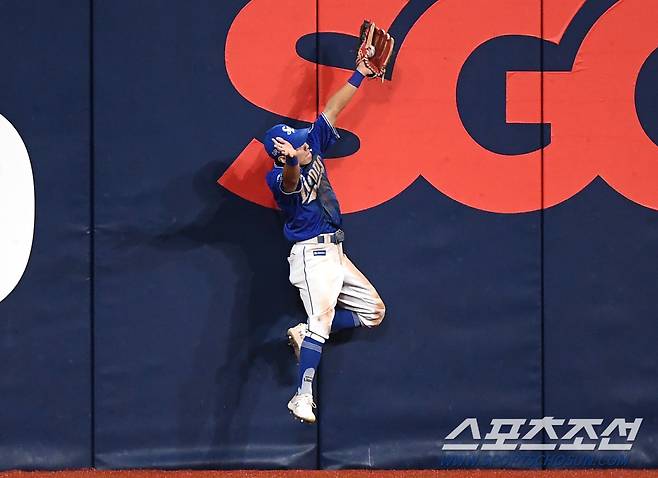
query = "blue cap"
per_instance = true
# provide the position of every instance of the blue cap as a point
(296, 137)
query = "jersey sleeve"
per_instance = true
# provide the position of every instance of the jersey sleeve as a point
(322, 135)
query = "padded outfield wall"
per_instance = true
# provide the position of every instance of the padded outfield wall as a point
(500, 190)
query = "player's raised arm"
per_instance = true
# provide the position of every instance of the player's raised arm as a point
(375, 49)
(342, 97)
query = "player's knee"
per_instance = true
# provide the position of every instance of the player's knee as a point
(315, 336)
(381, 310)
(378, 312)
(319, 326)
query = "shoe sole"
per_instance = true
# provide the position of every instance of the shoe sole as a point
(301, 420)
(291, 342)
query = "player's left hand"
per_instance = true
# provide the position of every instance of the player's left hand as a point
(364, 70)
(284, 146)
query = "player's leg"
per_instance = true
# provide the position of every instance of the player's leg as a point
(318, 301)
(359, 296)
(342, 319)
(316, 271)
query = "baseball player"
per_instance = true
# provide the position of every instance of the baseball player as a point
(336, 295)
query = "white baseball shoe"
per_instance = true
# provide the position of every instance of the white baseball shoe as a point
(296, 336)
(301, 406)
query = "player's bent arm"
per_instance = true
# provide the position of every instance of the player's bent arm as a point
(292, 170)
(290, 158)
(290, 177)
(342, 97)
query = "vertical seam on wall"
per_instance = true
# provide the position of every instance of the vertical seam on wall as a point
(541, 215)
(92, 230)
(317, 111)
(317, 57)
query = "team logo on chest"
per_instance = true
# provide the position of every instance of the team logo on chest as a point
(311, 180)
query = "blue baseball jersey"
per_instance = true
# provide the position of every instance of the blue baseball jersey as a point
(312, 208)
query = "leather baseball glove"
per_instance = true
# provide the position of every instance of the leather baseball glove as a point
(375, 48)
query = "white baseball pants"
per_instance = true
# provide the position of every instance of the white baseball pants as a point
(326, 278)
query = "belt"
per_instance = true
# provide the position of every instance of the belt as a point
(334, 238)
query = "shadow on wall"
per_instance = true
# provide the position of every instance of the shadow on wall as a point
(246, 344)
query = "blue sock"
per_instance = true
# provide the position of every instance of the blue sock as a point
(309, 359)
(344, 319)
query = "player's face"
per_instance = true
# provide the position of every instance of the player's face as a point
(304, 154)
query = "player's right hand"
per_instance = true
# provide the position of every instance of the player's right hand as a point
(284, 146)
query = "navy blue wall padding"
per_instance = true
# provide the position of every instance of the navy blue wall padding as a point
(600, 308)
(149, 328)
(600, 314)
(192, 368)
(462, 336)
(45, 369)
